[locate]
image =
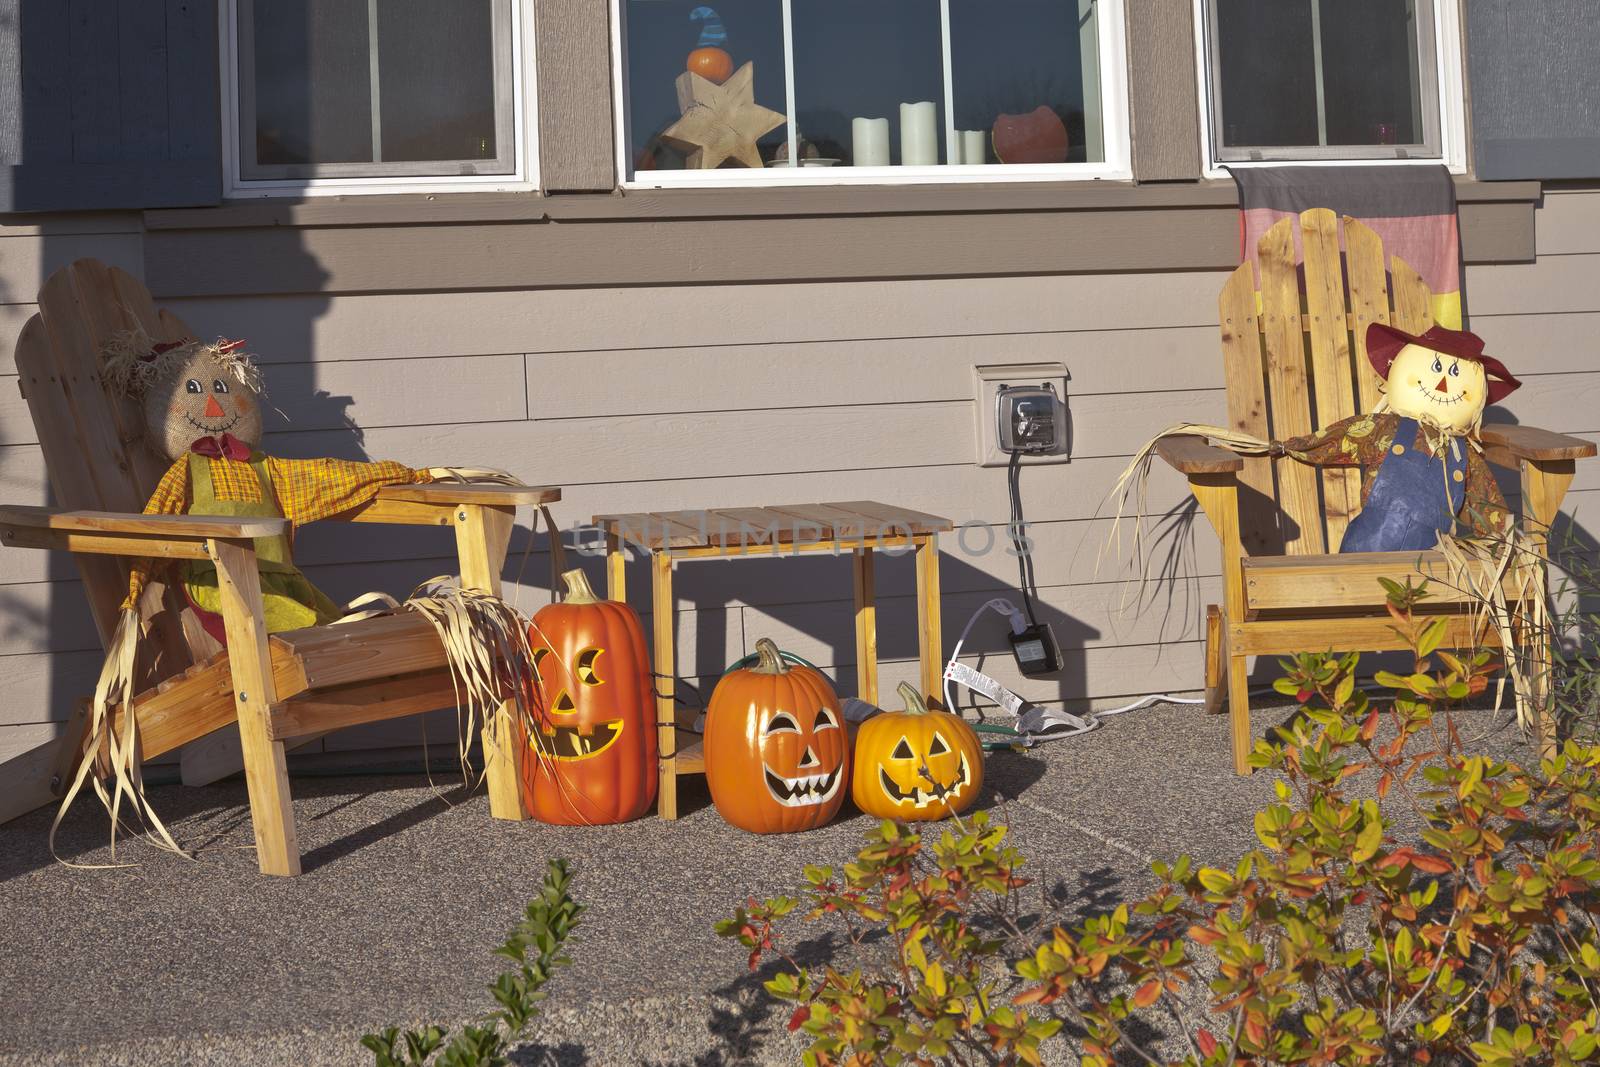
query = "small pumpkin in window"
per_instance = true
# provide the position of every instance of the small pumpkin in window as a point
(592, 758)
(916, 765)
(709, 59)
(777, 756)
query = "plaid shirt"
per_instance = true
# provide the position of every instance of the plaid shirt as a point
(307, 490)
(1365, 440)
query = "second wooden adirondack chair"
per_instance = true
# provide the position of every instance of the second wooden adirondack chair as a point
(1295, 362)
(270, 689)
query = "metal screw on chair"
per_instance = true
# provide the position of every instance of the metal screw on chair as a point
(244, 698)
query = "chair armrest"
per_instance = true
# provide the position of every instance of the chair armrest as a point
(1191, 455)
(448, 494)
(115, 533)
(1530, 442)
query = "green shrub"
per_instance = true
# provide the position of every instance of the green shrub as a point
(1341, 939)
(545, 926)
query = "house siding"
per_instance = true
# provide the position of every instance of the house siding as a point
(671, 397)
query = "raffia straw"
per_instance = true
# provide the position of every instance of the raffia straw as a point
(474, 474)
(1134, 477)
(114, 688)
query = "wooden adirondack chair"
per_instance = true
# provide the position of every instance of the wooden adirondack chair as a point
(276, 688)
(1297, 364)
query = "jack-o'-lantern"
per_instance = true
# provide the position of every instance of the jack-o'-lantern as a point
(592, 758)
(776, 752)
(916, 764)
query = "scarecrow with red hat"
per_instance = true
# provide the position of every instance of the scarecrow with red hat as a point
(1423, 471)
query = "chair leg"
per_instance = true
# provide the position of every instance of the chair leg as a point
(1215, 656)
(662, 606)
(250, 664)
(1239, 711)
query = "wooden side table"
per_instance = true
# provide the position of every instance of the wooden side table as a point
(860, 527)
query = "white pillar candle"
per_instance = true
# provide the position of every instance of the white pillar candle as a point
(869, 142)
(974, 147)
(919, 134)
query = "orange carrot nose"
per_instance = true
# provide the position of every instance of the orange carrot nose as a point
(1442, 387)
(214, 409)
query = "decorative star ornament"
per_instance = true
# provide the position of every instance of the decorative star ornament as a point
(720, 122)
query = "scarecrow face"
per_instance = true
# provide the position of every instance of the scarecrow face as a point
(576, 729)
(802, 762)
(1443, 389)
(201, 397)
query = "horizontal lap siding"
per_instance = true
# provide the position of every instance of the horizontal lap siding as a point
(677, 397)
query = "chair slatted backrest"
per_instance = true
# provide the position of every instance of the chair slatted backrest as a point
(94, 442)
(1295, 360)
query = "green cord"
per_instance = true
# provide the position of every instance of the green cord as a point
(753, 658)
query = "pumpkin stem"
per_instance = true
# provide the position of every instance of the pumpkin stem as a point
(579, 591)
(915, 705)
(771, 660)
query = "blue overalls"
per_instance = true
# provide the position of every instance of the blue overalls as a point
(1413, 500)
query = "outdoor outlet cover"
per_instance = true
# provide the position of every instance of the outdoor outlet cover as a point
(988, 381)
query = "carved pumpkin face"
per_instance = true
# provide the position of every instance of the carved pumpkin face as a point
(1436, 387)
(776, 751)
(592, 757)
(916, 764)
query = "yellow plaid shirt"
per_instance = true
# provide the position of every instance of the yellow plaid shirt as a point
(307, 490)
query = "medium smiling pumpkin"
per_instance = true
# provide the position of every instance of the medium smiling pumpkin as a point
(593, 760)
(916, 765)
(776, 752)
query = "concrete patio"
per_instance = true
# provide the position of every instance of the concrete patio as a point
(405, 896)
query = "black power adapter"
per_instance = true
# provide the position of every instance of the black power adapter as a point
(1036, 650)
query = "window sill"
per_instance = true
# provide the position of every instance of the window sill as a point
(422, 243)
(420, 209)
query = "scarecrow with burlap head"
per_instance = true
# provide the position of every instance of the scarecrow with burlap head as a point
(202, 408)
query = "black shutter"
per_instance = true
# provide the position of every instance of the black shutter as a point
(1533, 71)
(108, 104)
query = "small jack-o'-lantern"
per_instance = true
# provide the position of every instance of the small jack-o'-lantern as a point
(776, 752)
(593, 757)
(916, 764)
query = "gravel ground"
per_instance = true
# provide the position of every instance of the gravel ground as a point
(405, 896)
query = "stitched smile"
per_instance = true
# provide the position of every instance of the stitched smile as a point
(203, 428)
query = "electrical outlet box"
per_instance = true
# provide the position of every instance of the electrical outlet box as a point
(988, 383)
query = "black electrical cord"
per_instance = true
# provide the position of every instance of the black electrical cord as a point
(1018, 538)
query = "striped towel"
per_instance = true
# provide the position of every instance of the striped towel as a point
(1413, 209)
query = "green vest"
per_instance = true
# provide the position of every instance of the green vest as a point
(290, 600)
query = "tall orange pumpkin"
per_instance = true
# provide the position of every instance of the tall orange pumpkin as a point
(916, 765)
(777, 758)
(593, 757)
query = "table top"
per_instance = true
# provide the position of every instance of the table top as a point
(848, 520)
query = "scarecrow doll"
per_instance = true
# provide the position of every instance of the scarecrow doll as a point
(202, 410)
(1423, 471)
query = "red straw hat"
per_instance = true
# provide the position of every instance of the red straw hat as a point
(1385, 342)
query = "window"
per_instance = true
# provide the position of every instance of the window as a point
(343, 92)
(1325, 79)
(892, 90)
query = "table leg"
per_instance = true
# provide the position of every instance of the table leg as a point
(666, 671)
(866, 626)
(616, 579)
(930, 641)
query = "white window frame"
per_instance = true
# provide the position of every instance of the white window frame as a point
(1112, 48)
(1449, 78)
(524, 125)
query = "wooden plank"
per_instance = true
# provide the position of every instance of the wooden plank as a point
(1191, 455)
(1244, 371)
(1413, 304)
(691, 757)
(665, 637)
(137, 525)
(1332, 375)
(749, 528)
(271, 810)
(1219, 498)
(1277, 637)
(333, 656)
(864, 575)
(893, 519)
(1289, 395)
(1534, 443)
(1287, 583)
(930, 640)
(482, 534)
(389, 698)
(117, 547)
(28, 776)
(650, 530)
(1369, 301)
(491, 495)
(825, 522)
